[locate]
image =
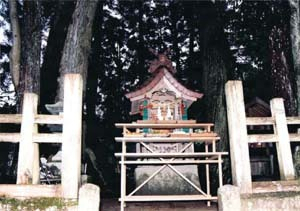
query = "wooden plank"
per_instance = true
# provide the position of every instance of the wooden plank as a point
(166, 121)
(136, 125)
(283, 147)
(10, 137)
(260, 121)
(37, 138)
(160, 162)
(294, 137)
(47, 138)
(207, 173)
(293, 120)
(166, 139)
(169, 198)
(275, 186)
(29, 191)
(171, 155)
(190, 121)
(48, 119)
(28, 162)
(71, 146)
(123, 176)
(11, 118)
(239, 151)
(262, 138)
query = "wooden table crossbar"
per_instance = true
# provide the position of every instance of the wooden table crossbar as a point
(210, 156)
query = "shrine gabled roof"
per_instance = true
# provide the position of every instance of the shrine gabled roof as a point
(161, 73)
(257, 108)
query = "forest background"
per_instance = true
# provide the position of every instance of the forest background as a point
(209, 42)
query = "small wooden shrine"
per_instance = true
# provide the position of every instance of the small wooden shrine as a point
(162, 97)
(166, 165)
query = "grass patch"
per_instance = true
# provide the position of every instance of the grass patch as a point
(279, 194)
(36, 203)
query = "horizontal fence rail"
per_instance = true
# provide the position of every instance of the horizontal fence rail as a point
(239, 137)
(29, 138)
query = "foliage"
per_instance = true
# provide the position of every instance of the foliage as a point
(123, 33)
(36, 203)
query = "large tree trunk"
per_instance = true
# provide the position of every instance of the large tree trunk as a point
(295, 41)
(214, 77)
(78, 43)
(15, 54)
(58, 32)
(29, 80)
(280, 75)
(31, 48)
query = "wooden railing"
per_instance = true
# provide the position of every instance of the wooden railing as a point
(265, 138)
(29, 138)
(239, 137)
(169, 159)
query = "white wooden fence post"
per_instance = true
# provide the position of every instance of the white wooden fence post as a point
(284, 154)
(239, 151)
(71, 146)
(28, 161)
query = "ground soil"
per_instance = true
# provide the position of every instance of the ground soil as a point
(114, 205)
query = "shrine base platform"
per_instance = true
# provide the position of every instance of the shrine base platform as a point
(167, 181)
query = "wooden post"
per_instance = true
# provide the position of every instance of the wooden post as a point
(28, 162)
(71, 146)
(284, 154)
(239, 151)
(123, 176)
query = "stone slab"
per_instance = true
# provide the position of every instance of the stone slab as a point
(167, 182)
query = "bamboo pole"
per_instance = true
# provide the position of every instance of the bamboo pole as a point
(71, 146)
(28, 162)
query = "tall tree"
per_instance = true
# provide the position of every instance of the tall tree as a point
(214, 72)
(59, 19)
(78, 43)
(29, 80)
(295, 42)
(15, 53)
(280, 74)
(31, 48)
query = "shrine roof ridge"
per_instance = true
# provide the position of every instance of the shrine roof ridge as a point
(161, 72)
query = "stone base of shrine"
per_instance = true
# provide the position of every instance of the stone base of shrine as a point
(167, 182)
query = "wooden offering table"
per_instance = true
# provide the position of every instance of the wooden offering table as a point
(153, 139)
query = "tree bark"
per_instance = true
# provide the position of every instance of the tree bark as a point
(78, 43)
(15, 54)
(28, 77)
(57, 35)
(295, 41)
(214, 77)
(31, 48)
(280, 75)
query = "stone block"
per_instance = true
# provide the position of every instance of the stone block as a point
(89, 198)
(229, 198)
(167, 182)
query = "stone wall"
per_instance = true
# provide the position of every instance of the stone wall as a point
(279, 201)
(229, 199)
(89, 200)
